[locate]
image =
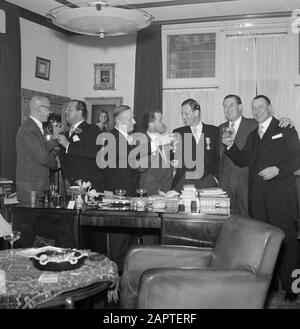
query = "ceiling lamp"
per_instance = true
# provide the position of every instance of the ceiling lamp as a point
(99, 18)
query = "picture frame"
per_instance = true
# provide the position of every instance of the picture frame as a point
(42, 68)
(95, 105)
(104, 76)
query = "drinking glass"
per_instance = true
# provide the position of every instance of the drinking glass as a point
(141, 191)
(120, 193)
(226, 132)
(12, 237)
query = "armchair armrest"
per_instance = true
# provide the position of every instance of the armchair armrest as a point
(139, 259)
(201, 288)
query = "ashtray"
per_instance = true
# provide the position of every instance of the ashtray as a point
(58, 260)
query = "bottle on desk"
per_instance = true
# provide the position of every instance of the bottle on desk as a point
(46, 198)
(193, 206)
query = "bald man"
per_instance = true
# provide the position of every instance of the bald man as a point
(35, 155)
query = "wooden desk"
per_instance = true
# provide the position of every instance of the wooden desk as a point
(63, 225)
(191, 229)
(129, 219)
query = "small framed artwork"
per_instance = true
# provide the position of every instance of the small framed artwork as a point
(104, 76)
(42, 68)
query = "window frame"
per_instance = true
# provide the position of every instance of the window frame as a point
(190, 82)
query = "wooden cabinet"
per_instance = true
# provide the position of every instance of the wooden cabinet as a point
(60, 225)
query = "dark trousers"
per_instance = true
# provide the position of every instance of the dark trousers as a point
(119, 244)
(235, 183)
(275, 205)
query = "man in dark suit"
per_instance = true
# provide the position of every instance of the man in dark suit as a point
(78, 161)
(233, 179)
(78, 155)
(158, 175)
(200, 143)
(35, 155)
(273, 155)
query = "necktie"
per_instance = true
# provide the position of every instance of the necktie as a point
(260, 131)
(195, 134)
(232, 129)
(162, 153)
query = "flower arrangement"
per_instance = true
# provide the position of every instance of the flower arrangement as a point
(86, 191)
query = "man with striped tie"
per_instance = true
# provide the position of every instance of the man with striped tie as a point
(272, 154)
(233, 179)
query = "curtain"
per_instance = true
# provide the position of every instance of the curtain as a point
(209, 100)
(10, 88)
(260, 65)
(148, 73)
(240, 77)
(272, 73)
(295, 109)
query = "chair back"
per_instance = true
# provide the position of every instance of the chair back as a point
(245, 243)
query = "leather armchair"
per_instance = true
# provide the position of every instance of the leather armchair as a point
(236, 273)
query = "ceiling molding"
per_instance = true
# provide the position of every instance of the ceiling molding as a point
(225, 18)
(171, 3)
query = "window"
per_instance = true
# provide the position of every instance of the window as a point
(190, 56)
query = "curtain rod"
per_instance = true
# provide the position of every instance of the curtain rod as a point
(255, 34)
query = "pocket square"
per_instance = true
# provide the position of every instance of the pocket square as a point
(76, 138)
(276, 136)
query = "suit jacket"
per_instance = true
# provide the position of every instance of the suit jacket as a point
(227, 166)
(35, 156)
(159, 174)
(279, 147)
(123, 176)
(80, 160)
(211, 153)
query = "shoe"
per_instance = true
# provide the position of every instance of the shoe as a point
(290, 296)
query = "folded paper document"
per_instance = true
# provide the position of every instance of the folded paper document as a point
(5, 227)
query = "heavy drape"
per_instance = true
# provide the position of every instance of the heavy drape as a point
(10, 89)
(260, 65)
(148, 72)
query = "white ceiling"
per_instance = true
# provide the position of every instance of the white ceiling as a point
(165, 10)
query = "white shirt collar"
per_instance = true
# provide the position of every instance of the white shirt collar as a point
(266, 124)
(236, 123)
(39, 123)
(123, 133)
(75, 125)
(198, 127)
(153, 136)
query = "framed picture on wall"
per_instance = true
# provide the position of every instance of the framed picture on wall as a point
(96, 106)
(42, 68)
(104, 76)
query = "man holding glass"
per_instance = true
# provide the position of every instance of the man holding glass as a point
(272, 154)
(35, 155)
(233, 179)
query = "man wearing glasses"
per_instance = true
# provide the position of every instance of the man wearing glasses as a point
(35, 155)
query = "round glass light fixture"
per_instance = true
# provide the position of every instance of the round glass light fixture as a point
(99, 19)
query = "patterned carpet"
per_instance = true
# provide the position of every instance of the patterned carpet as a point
(276, 301)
